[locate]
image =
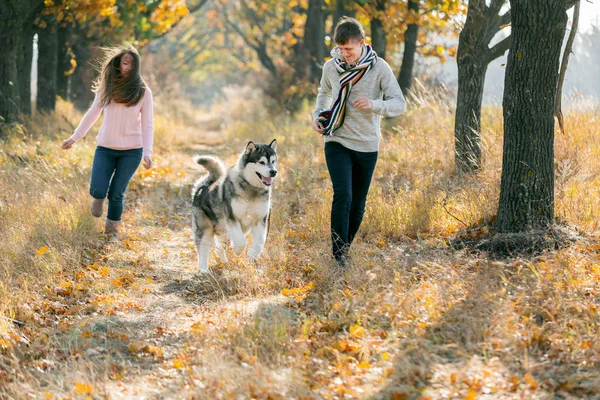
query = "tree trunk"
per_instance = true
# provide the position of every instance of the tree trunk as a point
(378, 35)
(63, 64)
(24, 60)
(314, 37)
(467, 127)
(410, 49)
(473, 57)
(378, 38)
(343, 8)
(48, 60)
(81, 80)
(527, 184)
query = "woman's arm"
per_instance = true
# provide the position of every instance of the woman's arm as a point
(147, 123)
(88, 120)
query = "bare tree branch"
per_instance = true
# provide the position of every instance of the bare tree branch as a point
(259, 48)
(498, 50)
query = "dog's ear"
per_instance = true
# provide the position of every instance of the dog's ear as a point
(273, 145)
(250, 147)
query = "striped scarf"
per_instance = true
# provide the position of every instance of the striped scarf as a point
(333, 119)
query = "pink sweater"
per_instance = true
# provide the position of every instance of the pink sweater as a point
(123, 128)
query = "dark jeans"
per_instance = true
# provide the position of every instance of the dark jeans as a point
(351, 172)
(111, 172)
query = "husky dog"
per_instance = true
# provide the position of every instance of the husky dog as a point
(226, 205)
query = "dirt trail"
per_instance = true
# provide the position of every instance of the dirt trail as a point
(146, 300)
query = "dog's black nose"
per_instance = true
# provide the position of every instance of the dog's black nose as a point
(273, 172)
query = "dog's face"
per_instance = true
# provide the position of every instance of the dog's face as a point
(259, 163)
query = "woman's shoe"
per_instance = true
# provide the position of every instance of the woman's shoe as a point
(97, 207)
(111, 228)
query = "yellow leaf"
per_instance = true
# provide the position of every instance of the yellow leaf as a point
(83, 388)
(48, 395)
(357, 331)
(178, 364)
(197, 328)
(472, 395)
(42, 250)
(364, 365)
(285, 292)
(530, 381)
(385, 356)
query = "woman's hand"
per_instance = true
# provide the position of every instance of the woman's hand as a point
(66, 145)
(363, 103)
(147, 162)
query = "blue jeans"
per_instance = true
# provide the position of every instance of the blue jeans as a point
(351, 172)
(111, 172)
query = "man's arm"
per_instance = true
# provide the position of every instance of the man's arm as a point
(393, 102)
(324, 96)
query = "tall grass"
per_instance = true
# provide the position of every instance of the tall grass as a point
(410, 317)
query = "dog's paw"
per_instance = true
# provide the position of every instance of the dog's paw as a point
(254, 254)
(239, 248)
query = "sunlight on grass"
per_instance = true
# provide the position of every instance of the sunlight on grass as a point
(410, 318)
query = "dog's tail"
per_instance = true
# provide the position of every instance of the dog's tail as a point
(215, 168)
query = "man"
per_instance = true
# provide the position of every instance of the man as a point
(365, 89)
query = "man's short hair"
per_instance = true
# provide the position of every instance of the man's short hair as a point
(348, 29)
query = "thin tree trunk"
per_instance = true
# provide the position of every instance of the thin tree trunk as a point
(378, 37)
(410, 50)
(527, 183)
(48, 61)
(471, 79)
(467, 127)
(24, 60)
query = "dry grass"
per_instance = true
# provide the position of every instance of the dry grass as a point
(410, 318)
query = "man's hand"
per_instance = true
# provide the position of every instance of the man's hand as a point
(147, 162)
(363, 103)
(318, 127)
(66, 145)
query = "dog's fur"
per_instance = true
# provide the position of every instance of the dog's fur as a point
(228, 205)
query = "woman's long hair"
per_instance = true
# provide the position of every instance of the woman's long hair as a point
(112, 85)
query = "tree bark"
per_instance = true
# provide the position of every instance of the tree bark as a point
(527, 183)
(410, 49)
(47, 68)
